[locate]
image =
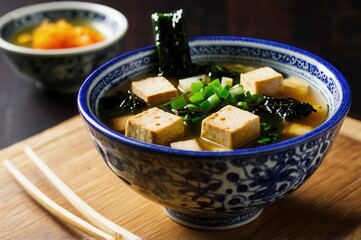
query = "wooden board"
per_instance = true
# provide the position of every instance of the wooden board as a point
(328, 206)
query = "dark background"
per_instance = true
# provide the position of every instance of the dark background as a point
(330, 29)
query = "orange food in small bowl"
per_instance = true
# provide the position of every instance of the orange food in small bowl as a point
(59, 34)
(58, 44)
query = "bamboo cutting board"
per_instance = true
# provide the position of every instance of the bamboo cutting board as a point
(327, 206)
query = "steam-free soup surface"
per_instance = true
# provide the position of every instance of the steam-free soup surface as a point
(286, 129)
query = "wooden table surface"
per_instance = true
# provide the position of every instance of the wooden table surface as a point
(330, 29)
(327, 206)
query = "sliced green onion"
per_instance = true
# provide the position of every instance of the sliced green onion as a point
(264, 140)
(236, 90)
(186, 118)
(196, 87)
(196, 97)
(243, 105)
(198, 119)
(216, 83)
(206, 105)
(178, 102)
(229, 100)
(214, 100)
(191, 106)
(223, 93)
(257, 98)
(209, 90)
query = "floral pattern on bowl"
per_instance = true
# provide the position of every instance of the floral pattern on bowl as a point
(217, 190)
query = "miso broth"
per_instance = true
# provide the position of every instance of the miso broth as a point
(313, 97)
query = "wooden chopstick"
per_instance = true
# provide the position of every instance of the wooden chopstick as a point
(103, 227)
(94, 217)
(52, 207)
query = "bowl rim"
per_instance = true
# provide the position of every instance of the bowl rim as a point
(63, 5)
(331, 122)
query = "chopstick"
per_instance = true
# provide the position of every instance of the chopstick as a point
(52, 207)
(94, 217)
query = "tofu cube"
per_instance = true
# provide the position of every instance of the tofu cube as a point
(198, 144)
(230, 127)
(155, 126)
(118, 123)
(296, 129)
(295, 87)
(154, 90)
(263, 80)
(191, 144)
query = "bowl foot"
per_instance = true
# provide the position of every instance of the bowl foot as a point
(212, 223)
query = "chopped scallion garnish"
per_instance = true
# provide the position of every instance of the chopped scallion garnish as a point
(196, 97)
(214, 100)
(216, 84)
(196, 87)
(204, 98)
(178, 102)
(198, 119)
(236, 90)
(224, 92)
(242, 105)
(206, 105)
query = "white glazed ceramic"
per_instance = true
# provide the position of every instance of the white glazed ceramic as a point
(217, 190)
(62, 70)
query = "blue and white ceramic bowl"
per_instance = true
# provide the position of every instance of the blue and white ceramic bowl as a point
(217, 190)
(62, 70)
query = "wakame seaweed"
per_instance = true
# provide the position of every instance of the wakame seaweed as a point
(171, 42)
(285, 108)
(120, 103)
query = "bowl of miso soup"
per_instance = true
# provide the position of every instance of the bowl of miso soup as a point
(58, 44)
(244, 124)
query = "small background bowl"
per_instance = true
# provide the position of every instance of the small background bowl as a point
(62, 70)
(217, 190)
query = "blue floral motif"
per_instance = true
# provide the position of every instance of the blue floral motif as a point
(195, 187)
(114, 161)
(153, 182)
(226, 186)
(257, 181)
